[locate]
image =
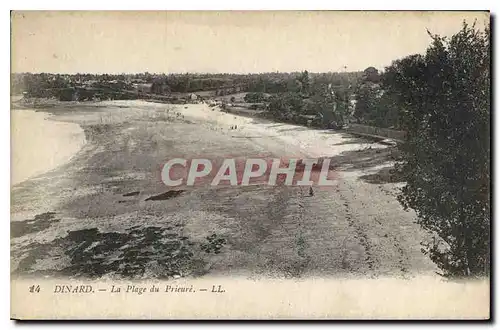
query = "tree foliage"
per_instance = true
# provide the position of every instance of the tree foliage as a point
(367, 95)
(254, 97)
(47, 84)
(444, 98)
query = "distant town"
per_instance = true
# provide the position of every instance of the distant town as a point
(320, 99)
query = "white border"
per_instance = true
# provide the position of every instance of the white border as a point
(253, 5)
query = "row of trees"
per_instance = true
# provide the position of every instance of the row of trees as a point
(316, 100)
(42, 84)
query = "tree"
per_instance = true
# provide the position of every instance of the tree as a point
(371, 74)
(294, 86)
(254, 97)
(366, 101)
(305, 83)
(286, 106)
(445, 101)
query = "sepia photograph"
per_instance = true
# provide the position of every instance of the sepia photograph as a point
(250, 165)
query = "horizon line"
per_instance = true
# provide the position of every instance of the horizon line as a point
(191, 72)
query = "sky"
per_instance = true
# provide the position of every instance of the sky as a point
(216, 42)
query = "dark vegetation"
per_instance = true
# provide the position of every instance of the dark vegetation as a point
(315, 99)
(444, 100)
(214, 244)
(141, 251)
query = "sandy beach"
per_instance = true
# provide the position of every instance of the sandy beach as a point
(111, 190)
(39, 144)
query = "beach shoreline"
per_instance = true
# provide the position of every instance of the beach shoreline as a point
(39, 144)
